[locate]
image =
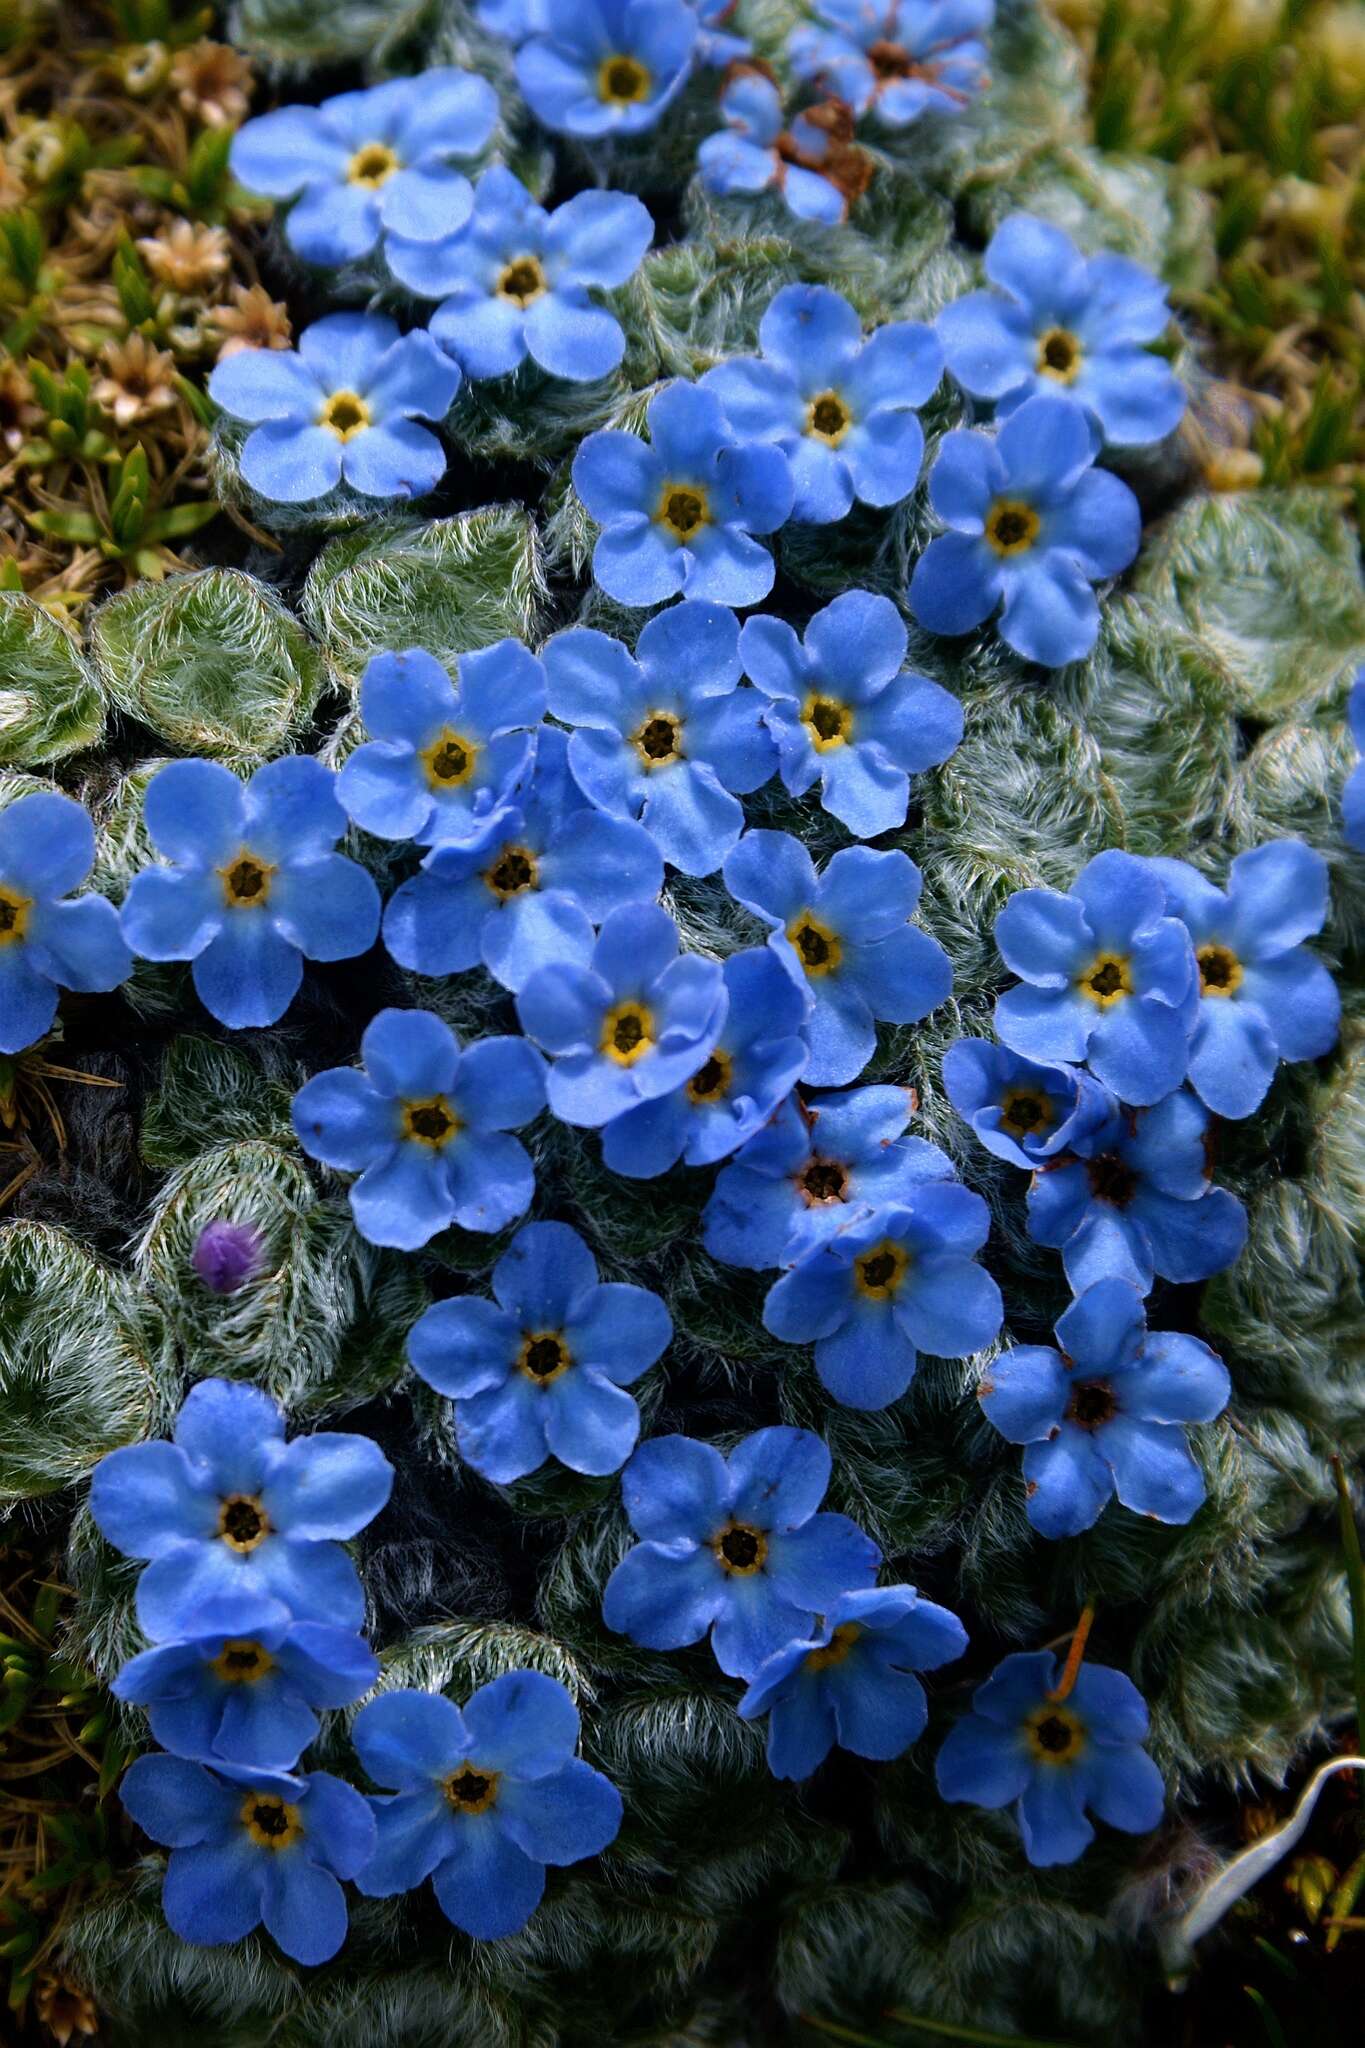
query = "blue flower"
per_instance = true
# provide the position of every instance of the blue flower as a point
(755, 152)
(541, 1371)
(714, 45)
(425, 1126)
(515, 20)
(252, 1847)
(1106, 1413)
(231, 1509)
(1134, 1198)
(519, 279)
(1056, 1758)
(841, 409)
(852, 1681)
(442, 755)
(1106, 976)
(665, 735)
(903, 60)
(1262, 995)
(1021, 1112)
(843, 710)
(678, 512)
(226, 1255)
(817, 1167)
(732, 1545)
(1064, 320)
(341, 405)
(607, 69)
(637, 1022)
(753, 1066)
(844, 933)
(1353, 795)
(240, 1681)
(550, 868)
(364, 162)
(47, 848)
(1033, 526)
(484, 1797)
(896, 1282)
(254, 887)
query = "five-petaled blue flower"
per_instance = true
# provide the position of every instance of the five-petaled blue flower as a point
(1033, 525)
(441, 754)
(252, 1847)
(753, 1066)
(606, 69)
(732, 1545)
(541, 1371)
(635, 1023)
(366, 162)
(841, 409)
(549, 868)
(484, 1797)
(425, 1126)
(1106, 1413)
(903, 60)
(519, 279)
(1262, 995)
(240, 1682)
(897, 1282)
(846, 934)
(342, 406)
(1021, 1112)
(47, 848)
(1060, 320)
(843, 710)
(1353, 795)
(667, 734)
(1106, 976)
(818, 1166)
(678, 512)
(1055, 1757)
(1134, 1197)
(254, 887)
(756, 151)
(230, 1509)
(852, 1681)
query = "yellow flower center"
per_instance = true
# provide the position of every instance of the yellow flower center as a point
(1107, 980)
(712, 1080)
(243, 1523)
(372, 165)
(1220, 971)
(345, 414)
(828, 418)
(622, 81)
(430, 1121)
(627, 1033)
(1011, 526)
(14, 916)
(683, 509)
(513, 872)
(836, 1649)
(1059, 355)
(1054, 1734)
(658, 741)
(1023, 1110)
(817, 947)
(246, 882)
(544, 1356)
(449, 760)
(522, 281)
(242, 1663)
(828, 721)
(270, 1822)
(471, 1791)
(740, 1550)
(880, 1272)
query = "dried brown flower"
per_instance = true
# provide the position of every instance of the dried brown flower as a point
(186, 257)
(253, 320)
(213, 83)
(137, 380)
(19, 415)
(65, 2009)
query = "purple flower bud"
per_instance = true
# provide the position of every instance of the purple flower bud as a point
(226, 1256)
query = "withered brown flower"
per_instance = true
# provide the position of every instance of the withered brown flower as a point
(213, 83)
(65, 2009)
(137, 380)
(186, 257)
(253, 320)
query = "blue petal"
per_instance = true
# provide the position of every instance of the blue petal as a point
(195, 813)
(956, 584)
(525, 1724)
(1067, 1482)
(867, 1364)
(676, 1490)
(405, 1739)
(266, 384)
(291, 464)
(1052, 1816)
(247, 975)
(812, 333)
(403, 1200)
(79, 945)
(303, 1907)
(663, 1600)
(1154, 1473)
(278, 153)
(546, 1271)
(1050, 614)
(981, 1763)
(212, 1893)
(410, 1053)
(486, 1886)
(329, 1485)
(342, 1121)
(397, 459)
(47, 843)
(563, 1818)
(464, 1347)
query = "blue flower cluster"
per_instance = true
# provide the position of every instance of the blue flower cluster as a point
(253, 1607)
